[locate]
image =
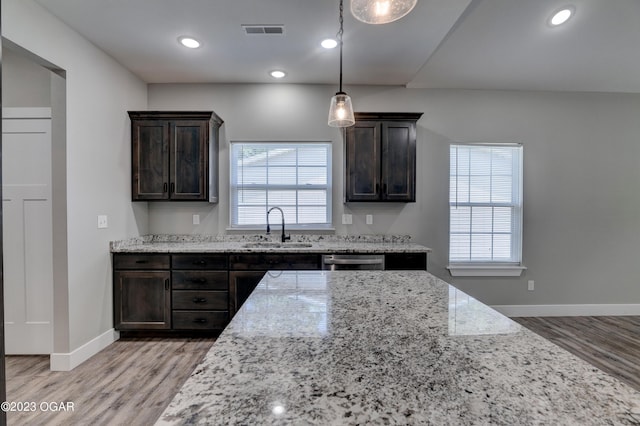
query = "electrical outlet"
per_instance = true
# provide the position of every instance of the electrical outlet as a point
(102, 221)
(369, 219)
(530, 285)
(196, 219)
(347, 219)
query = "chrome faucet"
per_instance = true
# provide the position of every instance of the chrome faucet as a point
(284, 237)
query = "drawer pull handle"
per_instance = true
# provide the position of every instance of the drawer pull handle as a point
(142, 261)
(200, 321)
(199, 280)
(199, 262)
(199, 300)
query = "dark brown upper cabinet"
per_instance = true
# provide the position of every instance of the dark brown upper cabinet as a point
(380, 157)
(174, 155)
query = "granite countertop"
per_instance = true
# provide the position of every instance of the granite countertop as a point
(262, 243)
(382, 347)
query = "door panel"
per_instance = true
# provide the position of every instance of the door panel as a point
(27, 228)
(188, 152)
(150, 160)
(363, 161)
(398, 161)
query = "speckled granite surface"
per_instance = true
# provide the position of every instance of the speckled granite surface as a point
(238, 244)
(378, 347)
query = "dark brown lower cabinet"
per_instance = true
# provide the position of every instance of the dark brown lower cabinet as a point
(241, 284)
(247, 269)
(200, 296)
(405, 261)
(185, 292)
(142, 300)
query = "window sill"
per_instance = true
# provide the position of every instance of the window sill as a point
(486, 270)
(276, 229)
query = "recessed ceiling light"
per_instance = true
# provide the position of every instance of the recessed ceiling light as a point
(277, 74)
(189, 42)
(561, 16)
(329, 43)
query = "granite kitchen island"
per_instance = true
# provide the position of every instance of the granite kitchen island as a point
(381, 347)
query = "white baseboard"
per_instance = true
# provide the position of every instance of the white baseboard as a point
(69, 361)
(567, 310)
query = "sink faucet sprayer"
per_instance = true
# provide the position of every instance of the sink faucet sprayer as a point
(284, 237)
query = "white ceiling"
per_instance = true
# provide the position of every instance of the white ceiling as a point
(471, 44)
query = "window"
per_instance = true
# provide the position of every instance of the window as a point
(485, 209)
(293, 176)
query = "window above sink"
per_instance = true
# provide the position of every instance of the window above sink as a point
(295, 176)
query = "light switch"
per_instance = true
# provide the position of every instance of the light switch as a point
(196, 219)
(347, 219)
(102, 221)
(369, 219)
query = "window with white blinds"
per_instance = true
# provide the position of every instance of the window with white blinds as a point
(485, 204)
(293, 176)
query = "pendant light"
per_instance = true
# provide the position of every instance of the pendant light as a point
(381, 11)
(341, 110)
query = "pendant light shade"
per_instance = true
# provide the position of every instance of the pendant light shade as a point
(341, 110)
(381, 11)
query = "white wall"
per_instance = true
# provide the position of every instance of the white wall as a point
(25, 83)
(98, 93)
(581, 176)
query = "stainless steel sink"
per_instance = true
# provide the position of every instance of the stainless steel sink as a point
(296, 245)
(265, 244)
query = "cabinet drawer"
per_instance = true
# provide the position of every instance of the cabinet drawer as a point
(141, 261)
(200, 300)
(200, 320)
(199, 280)
(263, 262)
(199, 261)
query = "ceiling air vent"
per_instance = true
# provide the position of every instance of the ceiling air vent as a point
(263, 29)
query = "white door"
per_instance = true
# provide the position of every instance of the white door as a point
(27, 233)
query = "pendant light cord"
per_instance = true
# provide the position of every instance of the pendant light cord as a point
(340, 39)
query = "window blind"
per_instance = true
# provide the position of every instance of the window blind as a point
(293, 176)
(485, 203)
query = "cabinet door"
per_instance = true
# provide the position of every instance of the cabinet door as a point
(189, 156)
(150, 159)
(405, 261)
(398, 161)
(241, 284)
(362, 156)
(142, 300)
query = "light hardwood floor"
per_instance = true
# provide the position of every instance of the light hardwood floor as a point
(610, 343)
(132, 381)
(129, 383)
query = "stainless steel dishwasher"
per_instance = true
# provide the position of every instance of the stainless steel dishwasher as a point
(354, 262)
